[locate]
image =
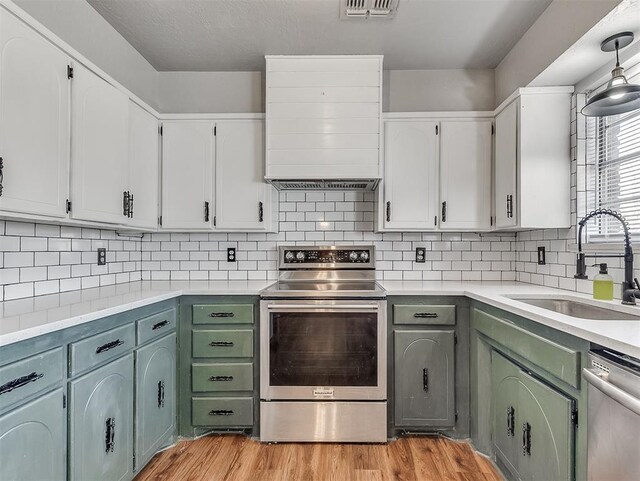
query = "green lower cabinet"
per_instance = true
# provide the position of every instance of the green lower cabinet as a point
(155, 413)
(222, 412)
(101, 423)
(222, 377)
(424, 378)
(222, 343)
(32, 443)
(533, 431)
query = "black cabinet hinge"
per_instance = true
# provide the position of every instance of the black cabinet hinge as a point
(436, 130)
(64, 401)
(455, 339)
(161, 130)
(574, 416)
(215, 220)
(69, 72)
(215, 130)
(160, 220)
(490, 220)
(68, 207)
(435, 220)
(493, 129)
(455, 416)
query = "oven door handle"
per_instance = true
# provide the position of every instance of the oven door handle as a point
(602, 383)
(310, 307)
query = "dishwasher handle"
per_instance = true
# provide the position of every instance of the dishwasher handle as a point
(602, 383)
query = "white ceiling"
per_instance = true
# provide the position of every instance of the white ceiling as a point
(227, 35)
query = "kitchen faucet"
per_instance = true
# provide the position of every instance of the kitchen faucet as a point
(630, 285)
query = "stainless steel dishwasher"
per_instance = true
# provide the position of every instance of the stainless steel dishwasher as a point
(613, 439)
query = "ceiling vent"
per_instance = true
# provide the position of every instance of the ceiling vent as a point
(368, 9)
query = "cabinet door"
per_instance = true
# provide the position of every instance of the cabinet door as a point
(187, 159)
(506, 434)
(99, 148)
(34, 121)
(32, 440)
(546, 425)
(424, 378)
(506, 166)
(143, 167)
(155, 397)
(465, 174)
(410, 182)
(101, 423)
(242, 196)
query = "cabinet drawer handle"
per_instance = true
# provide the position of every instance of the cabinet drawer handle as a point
(110, 435)
(221, 412)
(159, 325)
(19, 382)
(425, 380)
(160, 394)
(511, 428)
(109, 345)
(425, 315)
(222, 314)
(221, 344)
(526, 439)
(221, 378)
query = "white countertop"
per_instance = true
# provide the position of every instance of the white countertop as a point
(27, 318)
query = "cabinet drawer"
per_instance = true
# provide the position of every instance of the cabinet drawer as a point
(222, 343)
(424, 314)
(95, 350)
(31, 375)
(222, 377)
(222, 411)
(223, 314)
(156, 325)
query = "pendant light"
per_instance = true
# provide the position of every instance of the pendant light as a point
(620, 96)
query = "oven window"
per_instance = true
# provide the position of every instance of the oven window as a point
(323, 349)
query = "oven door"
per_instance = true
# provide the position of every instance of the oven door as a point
(323, 350)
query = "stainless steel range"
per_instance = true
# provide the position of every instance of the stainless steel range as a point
(323, 354)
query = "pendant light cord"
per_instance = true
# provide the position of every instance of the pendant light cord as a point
(617, 57)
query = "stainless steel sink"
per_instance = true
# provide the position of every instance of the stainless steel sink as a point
(580, 310)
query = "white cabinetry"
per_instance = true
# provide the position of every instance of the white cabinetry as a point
(34, 122)
(323, 116)
(409, 193)
(187, 161)
(465, 174)
(99, 148)
(243, 199)
(532, 162)
(143, 180)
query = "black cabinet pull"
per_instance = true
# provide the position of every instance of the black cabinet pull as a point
(109, 345)
(221, 344)
(444, 211)
(221, 412)
(260, 212)
(511, 428)
(388, 211)
(526, 439)
(509, 205)
(19, 382)
(110, 435)
(125, 203)
(425, 380)
(221, 378)
(160, 394)
(131, 205)
(222, 314)
(425, 315)
(159, 325)
(206, 211)
(1, 174)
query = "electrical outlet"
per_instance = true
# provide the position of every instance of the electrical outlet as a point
(231, 254)
(421, 253)
(102, 256)
(542, 256)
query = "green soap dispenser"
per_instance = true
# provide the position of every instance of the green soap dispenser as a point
(603, 284)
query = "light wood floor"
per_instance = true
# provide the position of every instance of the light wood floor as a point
(238, 458)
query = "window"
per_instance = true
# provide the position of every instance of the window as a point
(613, 174)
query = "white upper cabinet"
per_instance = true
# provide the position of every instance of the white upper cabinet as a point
(244, 202)
(34, 122)
(532, 162)
(143, 180)
(99, 148)
(409, 194)
(187, 162)
(323, 117)
(465, 174)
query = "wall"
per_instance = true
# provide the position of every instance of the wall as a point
(78, 24)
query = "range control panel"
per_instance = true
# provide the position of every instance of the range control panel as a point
(336, 256)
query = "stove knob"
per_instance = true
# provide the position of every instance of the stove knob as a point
(353, 256)
(364, 256)
(288, 256)
(300, 256)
